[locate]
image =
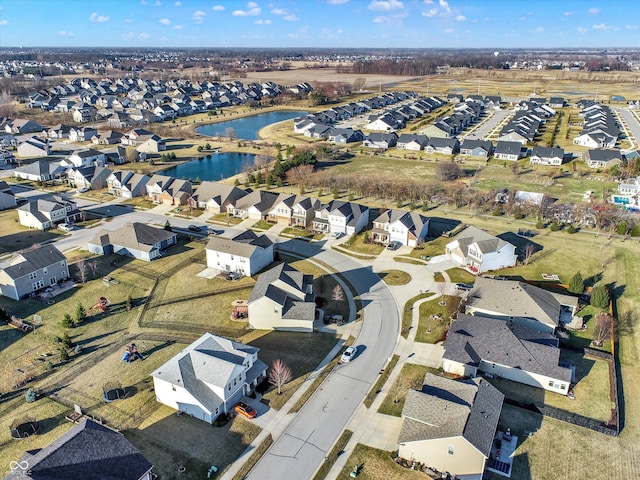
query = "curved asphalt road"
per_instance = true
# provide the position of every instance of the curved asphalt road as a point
(301, 448)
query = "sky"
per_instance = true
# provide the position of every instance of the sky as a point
(321, 23)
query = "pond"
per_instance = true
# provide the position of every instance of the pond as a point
(215, 167)
(247, 128)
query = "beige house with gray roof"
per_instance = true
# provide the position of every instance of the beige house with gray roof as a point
(208, 377)
(450, 425)
(479, 252)
(283, 299)
(525, 304)
(246, 253)
(133, 240)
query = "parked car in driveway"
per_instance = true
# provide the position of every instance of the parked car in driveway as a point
(394, 245)
(65, 227)
(213, 231)
(337, 235)
(348, 354)
(194, 228)
(245, 410)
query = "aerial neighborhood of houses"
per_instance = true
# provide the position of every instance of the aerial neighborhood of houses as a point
(234, 303)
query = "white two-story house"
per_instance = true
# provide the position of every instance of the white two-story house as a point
(408, 228)
(479, 251)
(337, 216)
(46, 213)
(246, 253)
(208, 377)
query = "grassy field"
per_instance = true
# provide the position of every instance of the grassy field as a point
(411, 376)
(356, 244)
(458, 275)
(377, 464)
(15, 237)
(433, 321)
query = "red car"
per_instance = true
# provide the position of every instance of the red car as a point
(245, 410)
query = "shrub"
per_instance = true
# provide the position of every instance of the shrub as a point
(539, 224)
(30, 396)
(555, 226)
(572, 229)
(64, 354)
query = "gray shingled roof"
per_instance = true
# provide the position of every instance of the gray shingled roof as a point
(32, 260)
(447, 408)
(518, 299)
(87, 451)
(243, 244)
(209, 360)
(485, 241)
(474, 338)
(134, 235)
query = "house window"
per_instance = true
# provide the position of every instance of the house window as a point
(37, 285)
(45, 271)
(551, 383)
(275, 309)
(451, 450)
(563, 387)
(229, 387)
(52, 281)
(173, 387)
(63, 263)
(33, 275)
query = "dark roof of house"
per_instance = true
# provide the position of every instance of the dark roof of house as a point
(518, 299)
(470, 144)
(32, 260)
(243, 244)
(87, 451)
(603, 154)
(545, 152)
(472, 339)
(134, 235)
(284, 273)
(509, 148)
(447, 408)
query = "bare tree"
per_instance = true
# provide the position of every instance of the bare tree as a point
(300, 175)
(82, 271)
(230, 133)
(604, 329)
(93, 266)
(529, 250)
(400, 388)
(448, 171)
(7, 107)
(279, 374)
(359, 83)
(337, 294)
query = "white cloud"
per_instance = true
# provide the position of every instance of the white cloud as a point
(631, 27)
(263, 22)
(165, 21)
(157, 4)
(94, 17)
(582, 30)
(177, 27)
(293, 35)
(143, 36)
(428, 2)
(128, 36)
(385, 5)
(4, 22)
(198, 16)
(449, 30)
(568, 14)
(279, 11)
(540, 29)
(64, 33)
(218, 8)
(593, 11)
(252, 10)
(338, 2)
(461, 18)
(601, 26)
(128, 20)
(177, 4)
(431, 13)
(291, 18)
(393, 19)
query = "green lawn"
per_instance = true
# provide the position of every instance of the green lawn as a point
(382, 379)
(434, 320)
(458, 275)
(583, 338)
(395, 277)
(224, 219)
(407, 315)
(356, 244)
(139, 202)
(377, 464)
(411, 376)
(262, 225)
(16, 237)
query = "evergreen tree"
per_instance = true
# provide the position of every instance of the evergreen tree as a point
(81, 314)
(67, 321)
(599, 296)
(576, 284)
(30, 396)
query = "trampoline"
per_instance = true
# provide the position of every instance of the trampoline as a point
(24, 428)
(114, 394)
